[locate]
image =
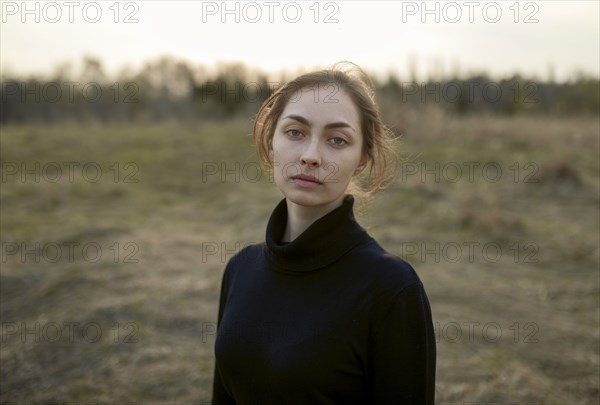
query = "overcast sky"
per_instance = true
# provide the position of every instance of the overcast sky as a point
(500, 37)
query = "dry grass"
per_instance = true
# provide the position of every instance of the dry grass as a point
(540, 293)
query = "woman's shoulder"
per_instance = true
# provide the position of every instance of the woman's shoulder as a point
(244, 256)
(249, 252)
(384, 271)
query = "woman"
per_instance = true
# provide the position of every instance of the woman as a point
(320, 313)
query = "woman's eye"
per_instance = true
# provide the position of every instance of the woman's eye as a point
(293, 132)
(338, 141)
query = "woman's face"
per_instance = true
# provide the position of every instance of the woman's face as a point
(317, 147)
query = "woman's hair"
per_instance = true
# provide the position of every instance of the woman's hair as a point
(378, 141)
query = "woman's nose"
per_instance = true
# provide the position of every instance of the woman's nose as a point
(310, 155)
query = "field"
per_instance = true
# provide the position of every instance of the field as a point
(114, 240)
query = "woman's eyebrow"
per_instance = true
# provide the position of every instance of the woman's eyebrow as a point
(340, 124)
(301, 119)
(298, 118)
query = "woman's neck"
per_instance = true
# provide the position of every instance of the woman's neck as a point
(300, 217)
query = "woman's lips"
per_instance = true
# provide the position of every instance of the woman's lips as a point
(306, 181)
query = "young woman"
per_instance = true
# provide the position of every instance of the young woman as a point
(320, 313)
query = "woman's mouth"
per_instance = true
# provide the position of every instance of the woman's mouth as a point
(306, 180)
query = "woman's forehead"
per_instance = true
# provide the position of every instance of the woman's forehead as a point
(322, 103)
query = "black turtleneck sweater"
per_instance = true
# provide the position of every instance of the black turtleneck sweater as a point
(329, 318)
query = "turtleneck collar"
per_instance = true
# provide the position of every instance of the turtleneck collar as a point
(322, 243)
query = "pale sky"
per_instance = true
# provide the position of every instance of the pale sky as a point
(380, 36)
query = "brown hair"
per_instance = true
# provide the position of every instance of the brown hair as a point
(378, 140)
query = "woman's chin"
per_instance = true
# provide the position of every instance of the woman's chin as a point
(310, 198)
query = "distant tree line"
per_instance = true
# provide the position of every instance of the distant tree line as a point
(169, 89)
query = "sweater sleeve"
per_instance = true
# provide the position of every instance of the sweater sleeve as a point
(402, 352)
(220, 395)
